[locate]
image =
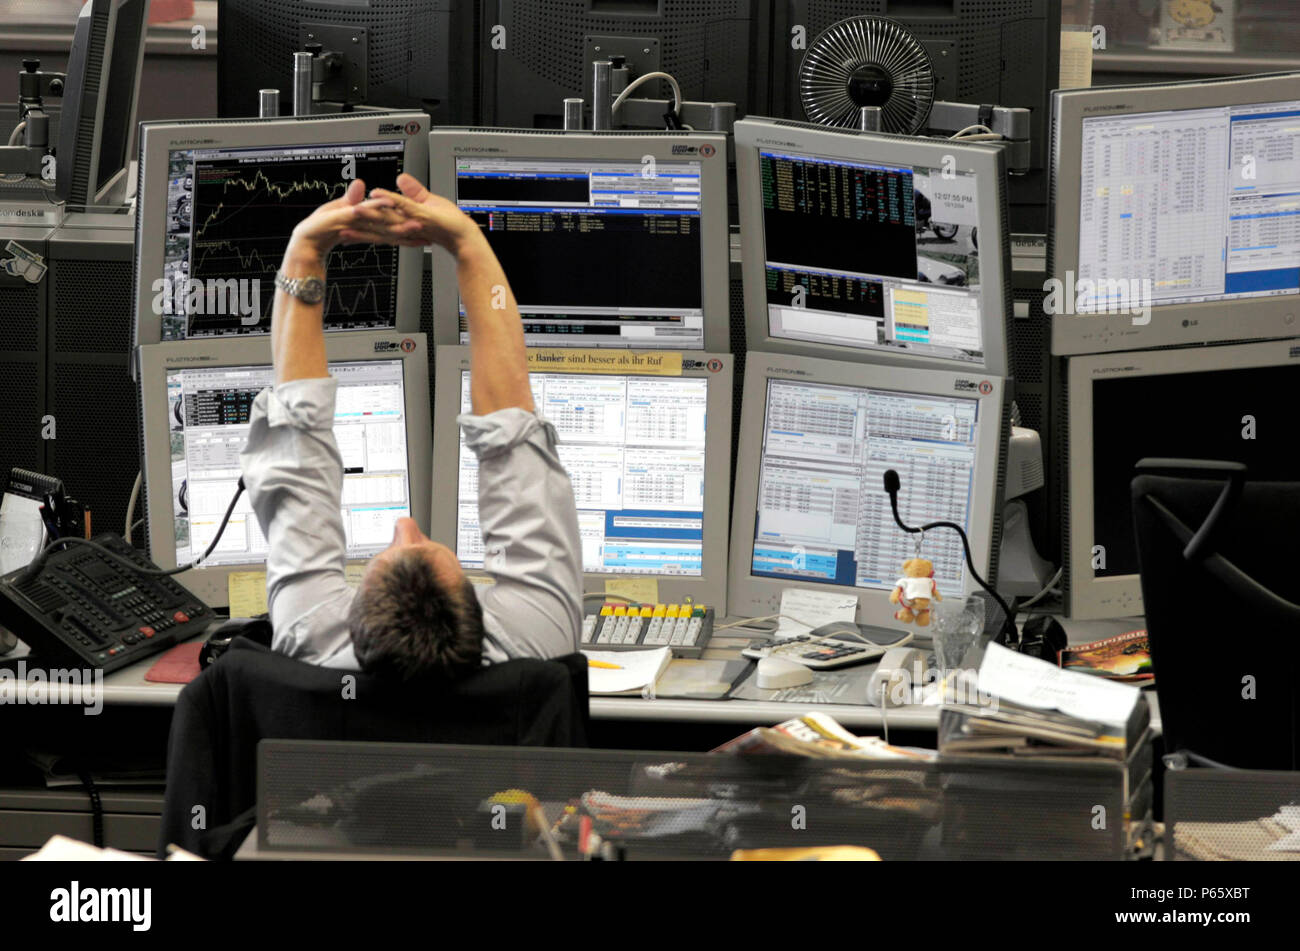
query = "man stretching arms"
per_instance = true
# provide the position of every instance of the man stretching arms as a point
(415, 611)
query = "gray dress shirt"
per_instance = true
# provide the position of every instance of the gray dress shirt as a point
(294, 475)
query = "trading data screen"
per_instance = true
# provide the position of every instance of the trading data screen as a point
(823, 515)
(1184, 416)
(634, 449)
(229, 216)
(600, 253)
(871, 256)
(1203, 203)
(209, 410)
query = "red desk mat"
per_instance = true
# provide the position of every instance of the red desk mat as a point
(179, 665)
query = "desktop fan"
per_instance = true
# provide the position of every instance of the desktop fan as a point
(867, 61)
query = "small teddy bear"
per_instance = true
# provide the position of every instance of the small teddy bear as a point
(914, 591)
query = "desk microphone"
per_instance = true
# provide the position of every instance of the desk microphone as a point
(1008, 635)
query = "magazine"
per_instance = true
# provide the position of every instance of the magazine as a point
(820, 736)
(1124, 657)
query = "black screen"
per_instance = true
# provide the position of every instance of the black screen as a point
(839, 217)
(576, 258)
(1186, 416)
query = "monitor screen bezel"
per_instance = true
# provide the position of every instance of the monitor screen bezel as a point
(447, 142)
(752, 596)
(211, 584)
(1170, 324)
(158, 139)
(80, 107)
(985, 162)
(1087, 596)
(708, 588)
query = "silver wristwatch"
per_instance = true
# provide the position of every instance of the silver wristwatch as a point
(309, 290)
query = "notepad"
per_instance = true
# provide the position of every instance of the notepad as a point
(637, 670)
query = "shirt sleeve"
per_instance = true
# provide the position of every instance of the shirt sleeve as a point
(293, 472)
(530, 536)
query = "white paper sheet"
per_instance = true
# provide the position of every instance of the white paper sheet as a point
(802, 610)
(1031, 682)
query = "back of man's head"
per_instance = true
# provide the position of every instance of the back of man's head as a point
(406, 623)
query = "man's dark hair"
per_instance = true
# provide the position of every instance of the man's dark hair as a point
(405, 623)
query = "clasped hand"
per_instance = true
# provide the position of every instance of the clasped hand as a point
(411, 217)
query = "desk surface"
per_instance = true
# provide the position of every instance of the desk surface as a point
(128, 687)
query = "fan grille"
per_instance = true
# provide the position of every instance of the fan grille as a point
(852, 45)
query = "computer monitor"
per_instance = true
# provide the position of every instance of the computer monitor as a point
(1175, 216)
(878, 248)
(811, 512)
(396, 54)
(615, 239)
(1233, 403)
(534, 55)
(1006, 53)
(646, 439)
(219, 198)
(196, 398)
(100, 97)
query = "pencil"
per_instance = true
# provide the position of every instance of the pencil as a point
(603, 666)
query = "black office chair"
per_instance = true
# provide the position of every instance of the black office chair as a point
(1221, 586)
(252, 694)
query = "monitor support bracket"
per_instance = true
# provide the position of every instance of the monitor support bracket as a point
(34, 86)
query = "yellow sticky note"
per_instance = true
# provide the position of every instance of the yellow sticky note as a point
(573, 360)
(247, 593)
(352, 574)
(645, 590)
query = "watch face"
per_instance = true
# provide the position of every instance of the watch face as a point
(312, 290)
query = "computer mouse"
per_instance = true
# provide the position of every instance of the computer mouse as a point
(777, 672)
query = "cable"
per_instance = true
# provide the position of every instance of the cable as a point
(892, 485)
(13, 140)
(1047, 589)
(96, 807)
(130, 505)
(977, 133)
(814, 639)
(34, 569)
(677, 91)
(768, 617)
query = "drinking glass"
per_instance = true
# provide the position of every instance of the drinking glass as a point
(957, 623)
